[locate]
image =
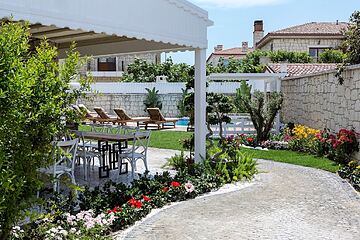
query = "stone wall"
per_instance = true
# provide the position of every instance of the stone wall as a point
(318, 100)
(300, 44)
(132, 103)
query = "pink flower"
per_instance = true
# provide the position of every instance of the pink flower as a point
(189, 187)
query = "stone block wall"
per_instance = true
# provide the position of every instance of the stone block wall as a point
(318, 100)
(300, 44)
(132, 103)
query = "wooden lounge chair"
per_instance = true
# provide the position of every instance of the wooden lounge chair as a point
(85, 113)
(126, 118)
(158, 119)
(105, 118)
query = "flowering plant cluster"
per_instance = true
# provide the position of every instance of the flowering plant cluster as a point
(351, 171)
(83, 225)
(116, 206)
(338, 147)
(248, 139)
(301, 138)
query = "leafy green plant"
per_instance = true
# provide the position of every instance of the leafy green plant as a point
(35, 95)
(177, 162)
(262, 112)
(152, 99)
(241, 166)
(332, 56)
(181, 104)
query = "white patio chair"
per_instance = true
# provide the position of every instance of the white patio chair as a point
(87, 151)
(65, 156)
(138, 151)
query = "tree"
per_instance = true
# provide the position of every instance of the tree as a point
(35, 95)
(262, 109)
(351, 45)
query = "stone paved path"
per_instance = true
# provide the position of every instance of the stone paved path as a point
(285, 202)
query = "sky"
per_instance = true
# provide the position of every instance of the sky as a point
(234, 19)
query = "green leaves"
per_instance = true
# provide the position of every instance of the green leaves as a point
(34, 99)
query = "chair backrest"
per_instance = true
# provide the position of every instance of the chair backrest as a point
(100, 128)
(101, 112)
(66, 153)
(122, 114)
(141, 142)
(84, 110)
(121, 130)
(155, 114)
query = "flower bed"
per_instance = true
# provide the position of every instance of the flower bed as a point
(116, 206)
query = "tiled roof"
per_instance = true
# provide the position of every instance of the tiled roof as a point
(308, 29)
(315, 28)
(232, 51)
(297, 69)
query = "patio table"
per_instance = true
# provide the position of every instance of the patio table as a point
(105, 146)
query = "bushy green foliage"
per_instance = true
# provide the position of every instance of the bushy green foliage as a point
(152, 99)
(351, 45)
(262, 112)
(142, 71)
(34, 99)
(332, 56)
(290, 57)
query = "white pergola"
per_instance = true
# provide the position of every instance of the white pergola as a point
(126, 26)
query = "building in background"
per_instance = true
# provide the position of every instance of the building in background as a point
(312, 37)
(111, 68)
(226, 54)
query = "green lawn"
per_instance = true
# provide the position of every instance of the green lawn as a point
(296, 158)
(171, 140)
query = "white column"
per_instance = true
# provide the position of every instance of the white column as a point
(200, 104)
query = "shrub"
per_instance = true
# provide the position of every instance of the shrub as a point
(152, 99)
(332, 56)
(34, 99)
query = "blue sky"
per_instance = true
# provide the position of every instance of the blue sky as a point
(233, 19)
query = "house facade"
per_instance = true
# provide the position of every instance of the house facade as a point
(225, 54)
(110, 68)
(312, 37)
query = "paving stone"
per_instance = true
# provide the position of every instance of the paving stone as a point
(285, 202)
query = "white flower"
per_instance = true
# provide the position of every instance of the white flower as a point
(189, 187)
(72, 230)
(64, 232)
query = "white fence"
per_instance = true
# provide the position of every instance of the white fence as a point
(239, 125)
(164, 88)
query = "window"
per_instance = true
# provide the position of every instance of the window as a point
(315, 52)
(107, 64)
(226, 62)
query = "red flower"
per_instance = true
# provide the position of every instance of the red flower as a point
(250, 139)
(114, 210)
(165, 189)
(175, 184)
(135, 203)
(146, 198)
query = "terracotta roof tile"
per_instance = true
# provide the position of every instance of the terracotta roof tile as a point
(297, 69)
(315, 28)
